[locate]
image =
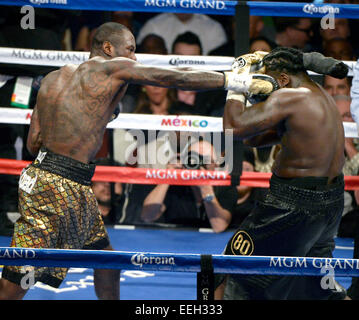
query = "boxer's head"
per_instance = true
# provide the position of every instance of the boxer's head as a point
(112, 40)
(286, 66)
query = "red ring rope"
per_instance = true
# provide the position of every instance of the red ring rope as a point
(168, 176)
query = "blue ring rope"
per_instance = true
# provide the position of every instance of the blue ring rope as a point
(149, 261)
(216, 7)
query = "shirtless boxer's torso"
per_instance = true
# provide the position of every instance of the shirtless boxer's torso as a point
(306, 123)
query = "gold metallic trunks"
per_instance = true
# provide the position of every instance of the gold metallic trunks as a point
(56, 212)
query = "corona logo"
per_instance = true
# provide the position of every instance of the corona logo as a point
(139, 259)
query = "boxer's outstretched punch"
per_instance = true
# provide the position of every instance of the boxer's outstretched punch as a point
(304, 204)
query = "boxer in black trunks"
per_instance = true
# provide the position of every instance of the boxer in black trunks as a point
(301, 213)
(74, 106)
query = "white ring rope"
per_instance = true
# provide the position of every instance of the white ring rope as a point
(126, 121)
(153, 122)
(55, 58)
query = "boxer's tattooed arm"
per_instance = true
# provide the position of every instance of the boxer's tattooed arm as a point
(185, 78)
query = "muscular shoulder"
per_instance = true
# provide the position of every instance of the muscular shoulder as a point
(110, 66)
(50, 76)
(48, 81)
(287, 97)
(67, 69)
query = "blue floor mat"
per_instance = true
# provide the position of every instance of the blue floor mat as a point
(139, 285)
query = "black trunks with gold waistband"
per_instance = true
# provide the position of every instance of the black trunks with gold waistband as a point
(298, 217)
(64, 166)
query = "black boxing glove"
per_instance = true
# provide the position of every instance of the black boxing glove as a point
(316, 62)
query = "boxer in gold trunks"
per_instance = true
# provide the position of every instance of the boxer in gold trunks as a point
(74, 105)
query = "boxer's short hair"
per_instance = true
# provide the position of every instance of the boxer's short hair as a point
(109, 31)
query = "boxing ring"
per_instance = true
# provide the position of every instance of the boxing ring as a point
(159, 264)
(172, 275)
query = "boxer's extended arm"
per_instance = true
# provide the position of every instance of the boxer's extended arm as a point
(34, 140)
(250, 122)
(184, 78)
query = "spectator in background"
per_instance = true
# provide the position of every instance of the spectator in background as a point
(187, 44)
(169, 25)
(354, 93)
(247, 196)
(119, 203)
(193, 206)
(132, 199)
(155, 100)
(341, 30)
(256, 26)
(293, 32)
(349, 226)
(339, 48)
(49, 31)
(205, 102)
(257, 29)
(135, 194)
(261, 44)
(336, 86)
(108, 197)
(84, 28)
(9, 134)
(152, 44)
(127, 19)
(351, 168)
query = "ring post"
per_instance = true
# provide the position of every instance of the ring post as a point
(242, 28)
(205, 279)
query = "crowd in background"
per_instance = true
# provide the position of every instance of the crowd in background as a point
(219, 208)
